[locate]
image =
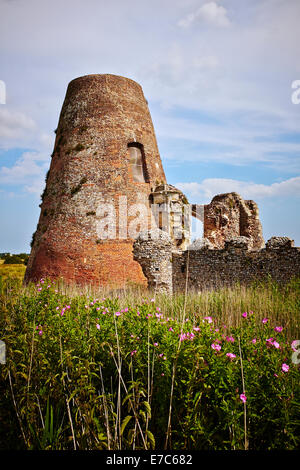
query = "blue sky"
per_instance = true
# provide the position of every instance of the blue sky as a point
(217, 75)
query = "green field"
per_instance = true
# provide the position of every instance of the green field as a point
(88, 369)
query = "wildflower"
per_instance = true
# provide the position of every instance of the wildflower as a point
(253, 340)
(275, 375)
(117, 314)
(209, 319)
(133, 352)
(68, 307)
(152, 300)
(196, 328)
(276, 344)
(294, 345)
(162, 374)
(155, 344)
(98, 326)
(243, 397)
(244, 315)
(216, 346)
(278, 329)
(39, 289)
(285, 367)
(230, 339)
(170, 329)
(265, 320)
(97, 308)
(231, 356)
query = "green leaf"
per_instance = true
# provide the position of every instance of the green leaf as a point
(124, 423)
(151, 438)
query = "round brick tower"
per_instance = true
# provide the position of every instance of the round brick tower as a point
(105, 160)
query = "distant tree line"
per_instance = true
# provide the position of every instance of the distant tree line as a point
(21, 258)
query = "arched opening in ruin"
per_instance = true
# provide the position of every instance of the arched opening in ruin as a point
(138, 163)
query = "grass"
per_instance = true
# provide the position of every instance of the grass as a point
(11, 272)
(129, 369)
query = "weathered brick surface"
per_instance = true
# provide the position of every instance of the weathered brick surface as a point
(100, 116)
(229, 215)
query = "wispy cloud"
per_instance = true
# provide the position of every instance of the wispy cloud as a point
(248, 190)
(14, 125)
(209, 13)
(28, 172)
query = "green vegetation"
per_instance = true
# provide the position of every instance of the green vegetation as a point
(78, 147)
(77, 188)
(8, 258)
(122, 370)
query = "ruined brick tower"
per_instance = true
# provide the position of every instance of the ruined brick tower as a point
(105, 149)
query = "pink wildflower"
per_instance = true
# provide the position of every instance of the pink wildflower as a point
(133, 352)
(294, 345)
(285, 367)
(230, 339)
(253, 340)
(209, 319)
(231, 356)
(276, 345)
(265, 320)
(243, 397)
(98, 326)
(196, 328)
(278, 329)
(170, 329)
(155, 344)
(117, 314)
(244, 315)
(216, 346)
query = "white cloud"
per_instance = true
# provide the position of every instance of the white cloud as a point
(28, 171)
(209, 187)
(209, 13)
(14, 125)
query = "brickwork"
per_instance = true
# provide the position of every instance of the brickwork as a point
(106, 172)
(90, 165)
(227, 216)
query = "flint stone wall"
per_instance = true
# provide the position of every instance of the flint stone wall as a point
(209, 268)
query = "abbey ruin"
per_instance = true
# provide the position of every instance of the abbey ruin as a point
(109, 218)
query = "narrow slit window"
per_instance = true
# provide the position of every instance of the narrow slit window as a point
(137, 164)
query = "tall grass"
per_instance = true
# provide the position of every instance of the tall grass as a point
(92, 368)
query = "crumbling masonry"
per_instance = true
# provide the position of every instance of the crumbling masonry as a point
(108, 216)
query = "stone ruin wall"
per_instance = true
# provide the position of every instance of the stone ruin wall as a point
(229, 215)
(204, 267)
(235, 263)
